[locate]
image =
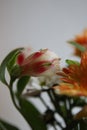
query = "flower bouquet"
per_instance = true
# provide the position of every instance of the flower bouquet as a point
(36, 80)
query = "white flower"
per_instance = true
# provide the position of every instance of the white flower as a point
(40, 63)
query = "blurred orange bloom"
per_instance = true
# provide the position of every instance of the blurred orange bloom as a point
(82, 40)
(74, 79)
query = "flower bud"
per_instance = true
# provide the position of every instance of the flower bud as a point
(41, 63)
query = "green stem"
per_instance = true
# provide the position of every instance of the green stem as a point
(55, 127)
(44, 102)
(12, 96)
(2, 127)
(13, 100)
(56, 104)
(57, 123)
(71, 125)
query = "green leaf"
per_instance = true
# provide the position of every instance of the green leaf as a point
(32, 115)
(63, 109)
(77, 101)
(5, 63)
(6, 126)
(15, 72)
(83, 125)
(12, 62)
(22, 82)
(71, 62)
(77, 45)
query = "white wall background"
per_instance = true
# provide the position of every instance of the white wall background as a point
(41, 24)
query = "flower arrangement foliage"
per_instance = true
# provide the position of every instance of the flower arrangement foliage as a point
(38, 75)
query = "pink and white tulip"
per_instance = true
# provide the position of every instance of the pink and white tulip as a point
(40, 63)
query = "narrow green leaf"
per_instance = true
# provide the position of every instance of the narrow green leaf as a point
(15, 72)
(71, 62)
(63, 109)
(5, 63)
(32, 115)
(83, 125)
(12, 62)
(6, 126)
(77, 101)
(77, 45)
(22, 82)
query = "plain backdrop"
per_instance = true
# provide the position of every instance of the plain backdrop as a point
(40, 24)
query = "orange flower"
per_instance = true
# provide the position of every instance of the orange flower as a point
(82, 40)
(74, 79)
